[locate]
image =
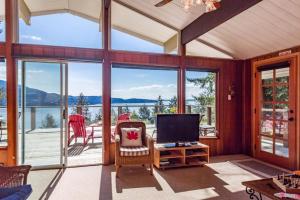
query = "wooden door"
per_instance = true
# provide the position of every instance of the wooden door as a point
(275, 113)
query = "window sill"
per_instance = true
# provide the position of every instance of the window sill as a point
(3, 148)
(209, 137)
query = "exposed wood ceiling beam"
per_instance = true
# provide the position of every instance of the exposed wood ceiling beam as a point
(107, 3)
(24, 12)
(171, 44)
(209, 21)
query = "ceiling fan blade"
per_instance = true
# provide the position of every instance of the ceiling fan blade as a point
(162, 3)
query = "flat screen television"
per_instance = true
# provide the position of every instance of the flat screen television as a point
(177, 128)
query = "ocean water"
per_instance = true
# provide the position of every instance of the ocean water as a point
(55, 112)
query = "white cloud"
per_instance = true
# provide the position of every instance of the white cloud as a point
(147, 92)
(31, 37)
(35, 71)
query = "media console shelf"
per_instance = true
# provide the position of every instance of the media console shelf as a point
(170, 157)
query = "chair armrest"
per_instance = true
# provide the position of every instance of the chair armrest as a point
(117, 146)
(150, 145)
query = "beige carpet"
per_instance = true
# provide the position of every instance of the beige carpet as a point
(221, 179)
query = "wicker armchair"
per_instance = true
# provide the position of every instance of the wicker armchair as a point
(143, 159)
(13, 176)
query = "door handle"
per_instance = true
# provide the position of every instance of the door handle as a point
(291, 119)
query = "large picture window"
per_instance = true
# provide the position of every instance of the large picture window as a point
(143, 93)
(201, 99)
(71, 25)
(132, 31)
(3, 104)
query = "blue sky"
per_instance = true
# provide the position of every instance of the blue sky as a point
(70, 30)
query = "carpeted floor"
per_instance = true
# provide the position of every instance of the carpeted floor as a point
(260, 168)
(221, 179)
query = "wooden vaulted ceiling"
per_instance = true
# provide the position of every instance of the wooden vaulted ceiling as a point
(268, 26)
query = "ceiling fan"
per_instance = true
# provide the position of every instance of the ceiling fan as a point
(210, 5)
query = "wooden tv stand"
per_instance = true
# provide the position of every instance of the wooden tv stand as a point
(171, 157)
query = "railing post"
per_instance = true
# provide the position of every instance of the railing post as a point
(32, 118)
(189, 109)
(120, 110)
(209, 115)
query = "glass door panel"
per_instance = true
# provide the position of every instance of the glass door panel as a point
(274, 111)
(42, 107)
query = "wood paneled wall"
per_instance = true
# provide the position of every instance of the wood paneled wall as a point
(58, 53)
(246, 108)
(3, 156)
(276, 54)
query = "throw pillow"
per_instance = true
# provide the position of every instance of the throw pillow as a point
(131, 137)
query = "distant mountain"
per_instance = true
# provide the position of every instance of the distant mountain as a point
(35, 97)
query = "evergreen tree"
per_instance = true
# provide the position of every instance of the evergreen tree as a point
(207, 87)
(134, 116)
(49, 122)
(125, 109)
(159, 106)
(172, 108)
(144, 113)
(98, 116)
(82, 107)
(2, 96)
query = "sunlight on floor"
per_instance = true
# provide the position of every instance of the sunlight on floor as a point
(218, 180)
(232, 175)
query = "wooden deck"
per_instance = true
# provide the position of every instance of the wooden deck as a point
(42, 148)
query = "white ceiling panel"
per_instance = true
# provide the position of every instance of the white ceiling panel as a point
(172, 13)
(196, 48)
(269, 26)
(130, 21)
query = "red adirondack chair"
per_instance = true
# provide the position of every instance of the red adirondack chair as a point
(77, 123)
(121, 118)
(124, 117)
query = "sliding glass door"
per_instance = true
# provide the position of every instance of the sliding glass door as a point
(42, 101)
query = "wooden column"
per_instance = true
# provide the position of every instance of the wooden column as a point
(181, 79)
(106, 85)
(11, 84)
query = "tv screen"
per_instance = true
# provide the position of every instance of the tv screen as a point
(174, 128)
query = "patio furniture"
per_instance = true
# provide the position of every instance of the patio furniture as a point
(133, 155)
(13, 182)
(77, 123)
(121, 118)
(94, 125)
(124, 117)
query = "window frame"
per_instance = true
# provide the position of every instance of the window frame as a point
(217, 100)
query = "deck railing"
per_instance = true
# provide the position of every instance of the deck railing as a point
(36, 114)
